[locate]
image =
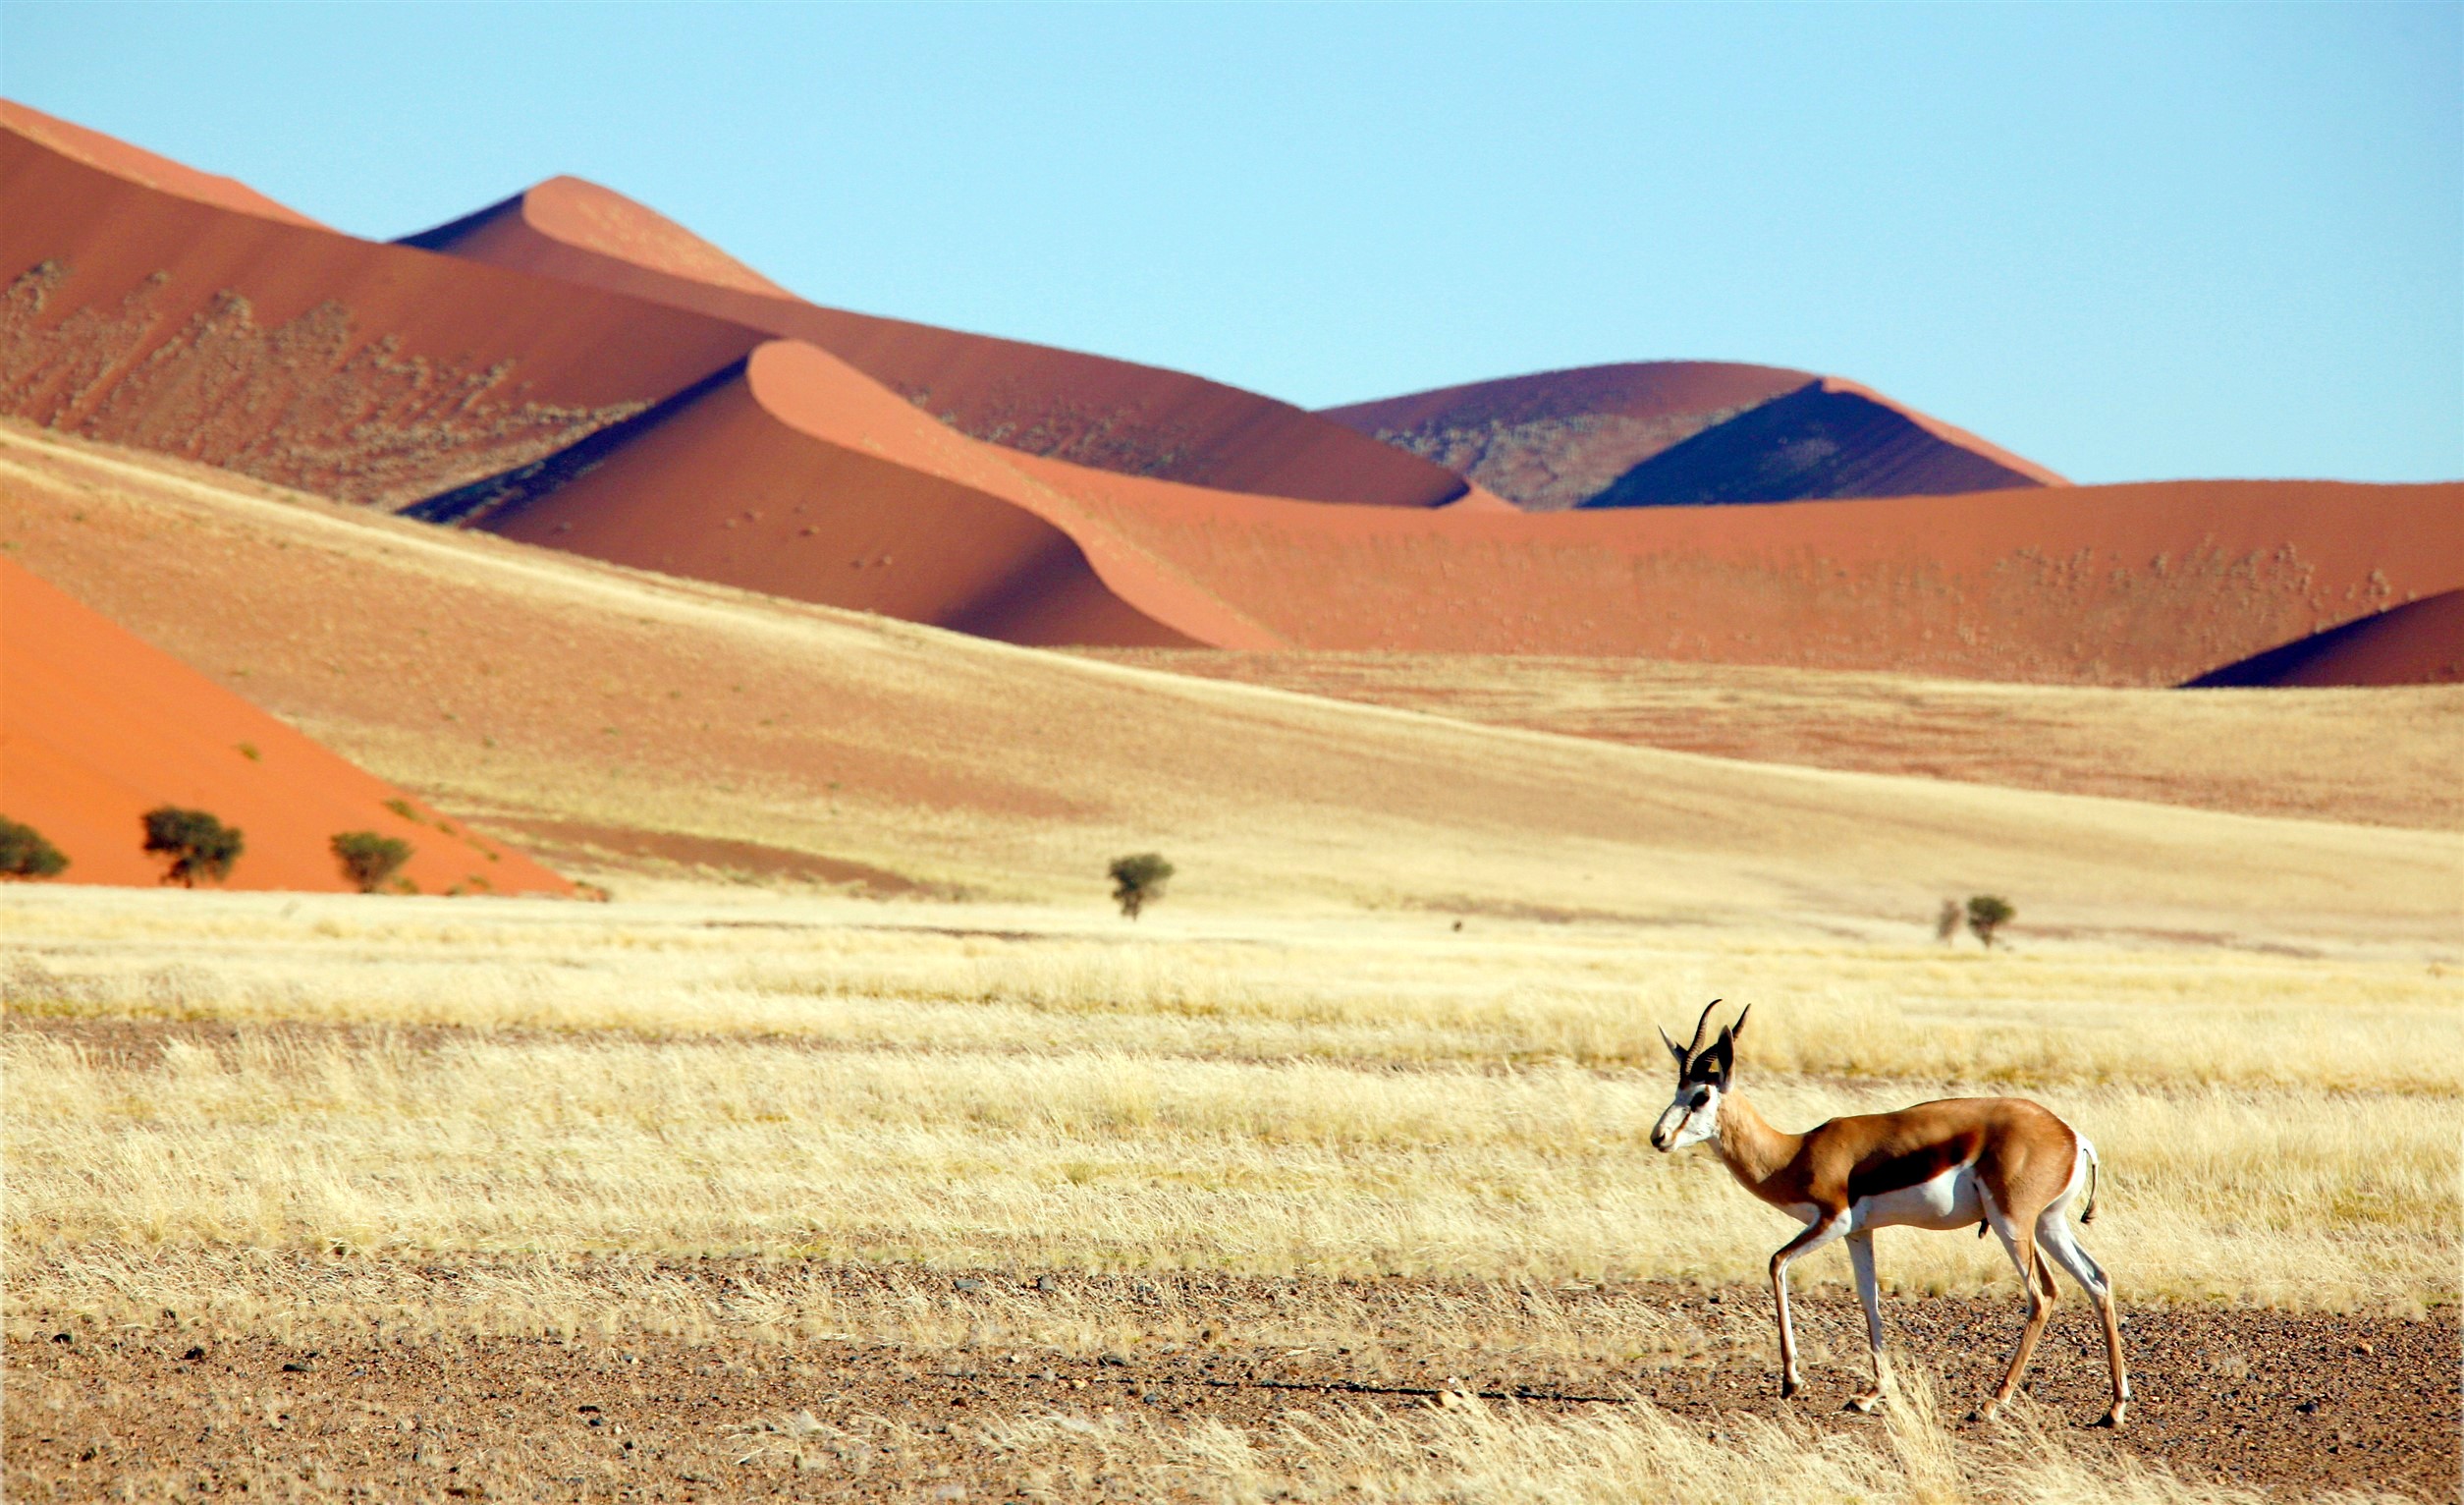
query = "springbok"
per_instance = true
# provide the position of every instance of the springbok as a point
(2002, 1163)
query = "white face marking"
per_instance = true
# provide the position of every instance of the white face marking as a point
(1691, 1118)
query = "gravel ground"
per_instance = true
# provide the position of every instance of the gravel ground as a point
(2294, 1404)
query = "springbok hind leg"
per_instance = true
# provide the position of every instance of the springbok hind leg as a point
(2021, 1243)
(1868, 1291)
(2058, 1238)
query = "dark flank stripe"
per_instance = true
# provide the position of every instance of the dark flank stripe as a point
(1883, 1171)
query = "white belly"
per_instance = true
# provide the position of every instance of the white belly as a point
(1952, 1199)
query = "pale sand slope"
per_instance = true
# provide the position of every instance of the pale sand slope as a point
(504, 680)
(2381, 756)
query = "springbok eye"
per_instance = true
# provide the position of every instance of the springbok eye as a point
(1701, 1096)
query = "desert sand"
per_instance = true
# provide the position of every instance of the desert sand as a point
(2250, 750)
(874, 466)
(101, 727)
(123, 160)
(361, 370)
(1111, 414)
(541, 691)
(1562, 439)
(2420, 643)
(1829, 438)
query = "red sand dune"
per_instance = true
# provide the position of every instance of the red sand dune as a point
(364, 371)
(1829, 438)
(660, 436)
(800, 477)
(1553, 440)
(1596, 436)
(137, 165)
(2148, 584)
(102, 727)
(2420, 643)
(1111, 414)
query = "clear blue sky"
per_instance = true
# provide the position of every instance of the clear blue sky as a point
(2125, 241)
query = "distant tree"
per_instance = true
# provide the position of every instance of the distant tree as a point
(1987, 914)
(1946, 923)
(194, 843)
(25, 854)
(368, 859)
(1138, 879)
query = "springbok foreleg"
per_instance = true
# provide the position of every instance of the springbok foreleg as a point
(1861, 1258)
(1827, 1226)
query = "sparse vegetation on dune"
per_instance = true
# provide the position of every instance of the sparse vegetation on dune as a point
(26, 852)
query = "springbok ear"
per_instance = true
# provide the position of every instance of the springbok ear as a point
(1674, 1048)
(1722, 1056)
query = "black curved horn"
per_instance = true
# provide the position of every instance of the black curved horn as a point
(1700, 1026)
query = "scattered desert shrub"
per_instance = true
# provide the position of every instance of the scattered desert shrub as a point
(367, 859)
(25, 854)
(1138, 879)
(195, 844)
(1987, 914)
(1946, 923)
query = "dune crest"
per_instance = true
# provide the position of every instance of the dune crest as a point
(798, 476)
(137, 165)
(1827, 439)
(2420, 643)
(102, 727)
(300, 356)
(1596, 436)
(1553, 440)
(1089, 410)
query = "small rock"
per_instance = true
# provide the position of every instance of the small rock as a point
(64, 1337)
(295, 1367)
(1116, 1360)
(2364, 1348)
(198, 1352)
(1048, 1283)
(966, 1283)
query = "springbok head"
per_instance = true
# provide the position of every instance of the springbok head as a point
(1693, 1114)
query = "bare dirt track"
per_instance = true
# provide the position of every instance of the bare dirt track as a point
(2290, 1403)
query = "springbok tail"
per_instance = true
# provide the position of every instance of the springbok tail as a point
(2089, 1216)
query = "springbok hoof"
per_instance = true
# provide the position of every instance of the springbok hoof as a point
(2116, 1417)
(1985, 1413)
(1789, 1389)
(1864, 1405)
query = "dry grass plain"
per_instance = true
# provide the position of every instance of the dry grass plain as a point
(748, 1183)
(847, 1155)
